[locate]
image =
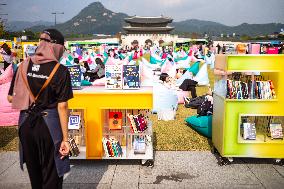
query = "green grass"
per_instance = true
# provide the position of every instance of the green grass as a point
(176, 134)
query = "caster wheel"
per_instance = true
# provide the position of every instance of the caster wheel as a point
(230, 159)
(279, 162)
(148, 163)
(222, 162)
(214, 150)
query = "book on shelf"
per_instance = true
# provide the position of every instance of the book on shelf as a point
(74, 150)
(112, 147)
(138, 123)
(131, 77)
(250, 90)
(276, 130)
(76, 129)
(139, 144)
(249, 131)
(115, 120)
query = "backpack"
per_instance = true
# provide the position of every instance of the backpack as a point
(206, 108)
(195, 102)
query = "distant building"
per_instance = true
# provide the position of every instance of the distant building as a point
(148, 31)
(148, 25)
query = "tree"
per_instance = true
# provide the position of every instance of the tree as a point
(195, 35)
(245, 37)
(2, 29)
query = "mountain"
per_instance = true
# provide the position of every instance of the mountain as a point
(21, 25)
(214, 28)
(95, 19)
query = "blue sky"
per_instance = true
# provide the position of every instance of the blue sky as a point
(228, 12)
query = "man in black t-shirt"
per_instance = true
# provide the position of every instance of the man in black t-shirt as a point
(41, 88)
(59, 89)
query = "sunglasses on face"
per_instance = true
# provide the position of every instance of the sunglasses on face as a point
(50, 41)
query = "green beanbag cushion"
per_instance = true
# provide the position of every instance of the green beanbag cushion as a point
(85, 83)
(194, 68)
(202, 124)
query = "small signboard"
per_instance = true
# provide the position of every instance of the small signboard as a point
(131, 78)
(74, 122)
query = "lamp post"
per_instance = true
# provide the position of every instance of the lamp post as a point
(1, 19)
(55, 13)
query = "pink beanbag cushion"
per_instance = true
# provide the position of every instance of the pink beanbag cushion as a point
(99, 82)
(8, 116)
(7, 75)
(181, 95)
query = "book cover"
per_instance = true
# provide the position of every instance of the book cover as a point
(115, 120)
(131, 77)
(139, 145)
(132, 123)
(276, 130)
(113, 75)
(75, 75)
(104, 140)
(249, 131)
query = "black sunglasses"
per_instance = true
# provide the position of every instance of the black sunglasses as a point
(50, 41)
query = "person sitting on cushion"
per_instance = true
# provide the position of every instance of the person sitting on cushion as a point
(189, 85)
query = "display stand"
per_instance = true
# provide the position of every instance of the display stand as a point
(231, 115)
(97, 103)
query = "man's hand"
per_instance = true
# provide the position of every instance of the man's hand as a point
(64, 149)
(9, 98)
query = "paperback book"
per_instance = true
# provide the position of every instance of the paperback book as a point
(276, 131)
(113, 75)
(139, 144)
(249, 131)
(131, 77)
(115, 120)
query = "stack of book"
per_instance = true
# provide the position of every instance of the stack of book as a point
(139, 144)
(138, 123)
(112, 147)
(249, 131)
(276, 131)
(250, 90)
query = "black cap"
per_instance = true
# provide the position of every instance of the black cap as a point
(55, 36)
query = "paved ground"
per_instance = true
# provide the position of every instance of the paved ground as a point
(173, 169)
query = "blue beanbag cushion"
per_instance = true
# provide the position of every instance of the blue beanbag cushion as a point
(202, 124)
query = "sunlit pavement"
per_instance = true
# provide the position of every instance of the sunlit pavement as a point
(172, 169)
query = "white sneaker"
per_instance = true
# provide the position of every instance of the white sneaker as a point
(186, 100)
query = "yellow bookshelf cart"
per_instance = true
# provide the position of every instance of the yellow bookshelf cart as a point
(229, 113)
(96, 102)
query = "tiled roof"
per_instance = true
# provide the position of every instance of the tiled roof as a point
(129, 28)
(148, 20)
